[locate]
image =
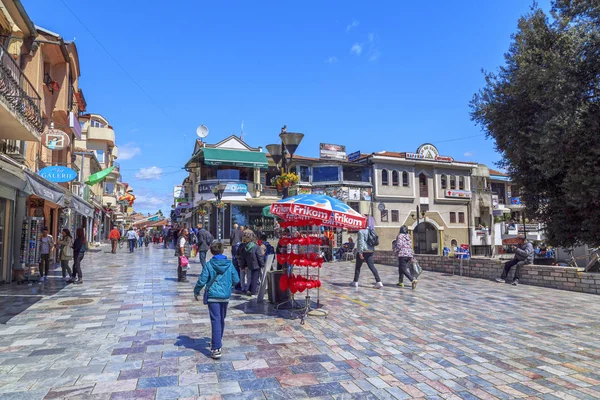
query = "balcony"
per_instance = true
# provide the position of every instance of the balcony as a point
(115, 152)
(115, 173)
(20, 117)
(105, 134)
(109, 198)
(15, 149)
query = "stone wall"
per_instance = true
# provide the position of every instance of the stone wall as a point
(564, 278)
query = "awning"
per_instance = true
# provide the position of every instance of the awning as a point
(45, 189)
(240, 158)
(266, 212)
(99, 176)
(81, 206)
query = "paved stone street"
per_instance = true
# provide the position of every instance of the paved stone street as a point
(140, 335)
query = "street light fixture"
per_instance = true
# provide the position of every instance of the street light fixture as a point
(218, 191)
(420, 214)
(280, 152)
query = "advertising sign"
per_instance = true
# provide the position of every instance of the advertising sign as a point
(304, 190)
(354, 156)
(182, 200)
(58, 174)
(55, 139)
(365, 194)
(233, 189)
(428, 151)
(515, 201)
(465, 194)
(332, 151)
(178, 192)
(74, 124)
(184, 204)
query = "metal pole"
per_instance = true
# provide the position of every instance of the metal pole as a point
(286, 168)
(418, 247)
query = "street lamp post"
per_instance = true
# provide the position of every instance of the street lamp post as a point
(218, 192)
(420, 214)
(280, 152)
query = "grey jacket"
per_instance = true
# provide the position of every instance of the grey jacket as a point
(525, 253)
(204, 240)
(361, 242)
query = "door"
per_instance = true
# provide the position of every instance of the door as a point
(423, 188)
(426, 239)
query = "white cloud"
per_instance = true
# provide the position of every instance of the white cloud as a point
(356, 49)
(149, 173)
(331, 60)
(128, 151)
(371, 37)
(149, 203)
(374, 56)
(468, 154)
(149, 200)
(352, 25)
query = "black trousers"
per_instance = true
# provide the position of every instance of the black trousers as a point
(44, 264)
(77, 257)
(403, 269)
(368, 258)
(509, 264)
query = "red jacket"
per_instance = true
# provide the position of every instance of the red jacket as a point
(114, 234)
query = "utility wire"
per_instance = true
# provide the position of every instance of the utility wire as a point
(460, 138)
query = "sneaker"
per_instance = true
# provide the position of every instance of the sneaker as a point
(500, 280)
(515, 282)
(354, 284)
(414, 284)
(378, 285)
(215, 354)
(248, 293)
(400, 284)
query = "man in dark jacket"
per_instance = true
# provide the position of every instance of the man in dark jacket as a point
(204, 240)
(251, 260)
(523, 256)
(236, 235)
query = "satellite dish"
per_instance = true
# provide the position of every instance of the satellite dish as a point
(202, 131)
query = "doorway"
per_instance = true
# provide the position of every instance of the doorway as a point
(423, 188)
(426, 239)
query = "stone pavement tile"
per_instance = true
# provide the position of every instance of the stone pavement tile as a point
(235, 375)
(192, 378)
(69, 391)
(324, 389)
(155, 382)
(271, 372)
(54, 382)
(115, 386)
(220, 388)
(176, 392)
(297, 380)
(249, 364)
(29, 395)
(398, 393)
(103, 377)
(141, 394)
(259, 384)
(245, 396)
(285, 394)
(138, 373)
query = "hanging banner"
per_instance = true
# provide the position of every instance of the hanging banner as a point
(55, 139)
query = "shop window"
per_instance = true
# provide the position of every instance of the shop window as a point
(461, 183)
(325, 174)
(461, 217)
(395, 216)
(384, 177)
(384, 216)
(452, 182)
(304, 172)
(228, 174)
(355, 173)
(355, 205)
(444, 181)
(395, 178)
(452, 217)
(405, 179)
(100, 155)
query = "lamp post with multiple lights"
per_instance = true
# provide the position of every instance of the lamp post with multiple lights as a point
(218, 192)
(280, 152)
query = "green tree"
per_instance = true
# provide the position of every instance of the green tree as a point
(542, 109)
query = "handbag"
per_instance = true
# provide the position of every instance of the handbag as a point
(183, 262)
(415, 268)
(194, 251)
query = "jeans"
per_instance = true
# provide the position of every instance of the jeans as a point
(181, 273)
(44, 264)
(114, 242)
(202, 257)
(140, 242)
(368, 258)
(217, 312)
(403, 269)
(509, 264)
(253, 276)
(77, 265)
(131, 245)
(64, 264)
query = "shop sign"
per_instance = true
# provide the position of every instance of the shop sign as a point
(365, 194)
(178, 192)
(318, 191)
(497, 213)
(332, 151)
(74, 124)
(428, 151)
(304, 190)
(515, 201)
(182, 200)
(58, 174)
(184, 204)
(55, 139)
(464, 194)
(354, 156)
(232, 189)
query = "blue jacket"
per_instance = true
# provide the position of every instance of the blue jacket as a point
(227, 278)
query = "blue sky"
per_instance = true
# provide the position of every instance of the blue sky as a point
(387, 75)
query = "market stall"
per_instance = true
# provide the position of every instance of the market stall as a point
(301, 244)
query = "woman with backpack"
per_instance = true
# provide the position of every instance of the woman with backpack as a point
(367, 239)
(251, 261)
(403, 250)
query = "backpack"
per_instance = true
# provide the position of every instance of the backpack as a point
(372, 238)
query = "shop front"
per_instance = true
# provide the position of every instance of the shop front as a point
(82, 216)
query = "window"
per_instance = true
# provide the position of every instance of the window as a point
(228, 174)
(384, 177)
(514, 191)
(355, 205)
(452, 217)
(82, 124)
(444, 181)
(395, 178)
(355, 173)
(304, 172)
(404, 178)
(100, 155)
(423, 187)
(325, 174)
(96, 124)
(461, 217)
(109, 187)
(499, 189)
(384, 216)
(395, 216)
(452, 182)
(461, 183)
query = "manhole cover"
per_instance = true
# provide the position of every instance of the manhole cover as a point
(77, 302)
(114, 266)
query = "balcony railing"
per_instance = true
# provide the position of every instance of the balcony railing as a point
(13, 148)
(18, 93)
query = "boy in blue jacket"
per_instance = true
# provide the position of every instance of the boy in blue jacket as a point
(219, 276)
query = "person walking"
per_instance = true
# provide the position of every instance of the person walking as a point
(236, 236)
(523, 256)
(183, 250)
(79, 249)
(218, 276)
(132, 238)
(367, 239)
(46, 245)
(251, 261)
(114, 237)
(204, 241)
(404, 253)
(66, 254)
(141, 236)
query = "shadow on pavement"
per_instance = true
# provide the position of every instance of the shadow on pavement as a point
(200, 345)
(13, 305)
